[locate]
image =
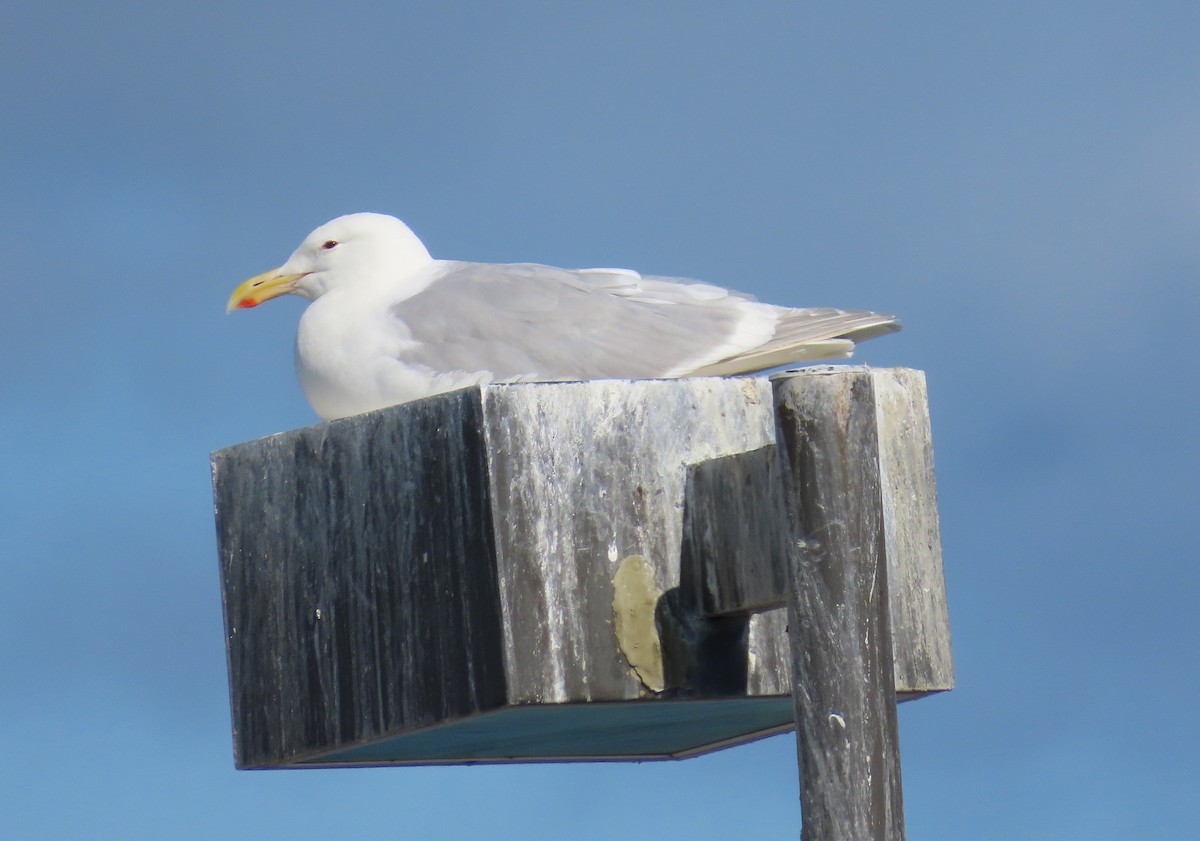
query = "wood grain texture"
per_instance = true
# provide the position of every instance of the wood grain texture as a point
(583, 476)
(916, 585)
(406, 585)
(839, 623)
(733, 548)
(429, 563)
(358, 578)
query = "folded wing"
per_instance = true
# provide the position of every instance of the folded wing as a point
(531, 322)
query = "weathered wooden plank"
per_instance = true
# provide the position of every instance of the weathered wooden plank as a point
(358, 578)
(839, 626)
(584, 477)
(916, 585)
(732, 541)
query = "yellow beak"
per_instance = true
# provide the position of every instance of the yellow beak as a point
(261, 288)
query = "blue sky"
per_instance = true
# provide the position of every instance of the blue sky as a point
(1020, 183)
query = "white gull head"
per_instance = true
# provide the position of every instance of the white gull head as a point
(354, 249)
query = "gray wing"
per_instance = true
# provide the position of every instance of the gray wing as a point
(531, 321)
(528, 320)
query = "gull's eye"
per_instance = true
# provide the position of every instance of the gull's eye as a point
(329, 245)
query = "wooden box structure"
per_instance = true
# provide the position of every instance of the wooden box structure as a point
(554, 571)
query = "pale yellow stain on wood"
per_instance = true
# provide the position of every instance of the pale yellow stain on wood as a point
(635, 595)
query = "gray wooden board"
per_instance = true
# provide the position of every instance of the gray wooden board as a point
(585, 475)
(733, 551)
(426, 568)
(358, 576)
(839, 619)
(916, 586)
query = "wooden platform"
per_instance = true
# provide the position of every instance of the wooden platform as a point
(550, 571)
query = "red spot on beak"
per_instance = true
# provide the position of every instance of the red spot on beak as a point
(246, 303)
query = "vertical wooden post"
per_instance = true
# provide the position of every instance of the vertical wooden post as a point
(838, 624)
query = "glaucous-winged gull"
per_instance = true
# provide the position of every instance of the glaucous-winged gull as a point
(388, 323)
